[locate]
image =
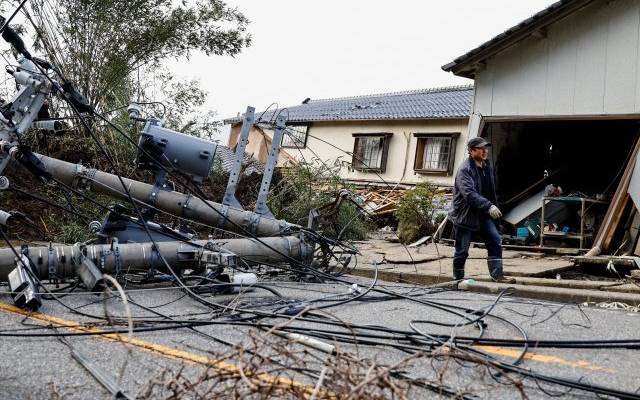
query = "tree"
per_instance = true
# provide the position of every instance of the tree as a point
(112, 51)
(99, 44)
(180, 99)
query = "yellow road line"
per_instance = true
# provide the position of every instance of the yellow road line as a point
(165, 351)
(513, 353)
(181, 355)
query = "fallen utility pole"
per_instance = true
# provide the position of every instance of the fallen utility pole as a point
(176, 203)
(61, 261)
(123, 248)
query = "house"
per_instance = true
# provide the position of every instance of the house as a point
(380, 139)
(558, 95)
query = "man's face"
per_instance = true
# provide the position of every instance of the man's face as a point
(479, 153)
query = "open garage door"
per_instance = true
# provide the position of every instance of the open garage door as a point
(573, 168)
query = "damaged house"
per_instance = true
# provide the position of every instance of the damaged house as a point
(379, 142)
(558, 96)
(395, 138)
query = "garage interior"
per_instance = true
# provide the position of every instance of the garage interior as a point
(585, 159)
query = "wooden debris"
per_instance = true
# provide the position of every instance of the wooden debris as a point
(628, 262)
(381, 201)
(618, 203)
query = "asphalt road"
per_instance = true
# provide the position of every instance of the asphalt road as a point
(43, 367)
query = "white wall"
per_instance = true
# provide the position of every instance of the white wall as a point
(323, 136)
(588, 64)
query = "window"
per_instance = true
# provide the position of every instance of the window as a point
(370, 151)
(295, 136)
(435, 153)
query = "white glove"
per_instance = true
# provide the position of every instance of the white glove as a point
(494, 212)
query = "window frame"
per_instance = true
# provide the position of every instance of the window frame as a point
(358, 165)
(294, 146)
(418, 163)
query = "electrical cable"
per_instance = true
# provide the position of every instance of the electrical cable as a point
(447, 308)
(358, 159)
(14, 188)
(7, 21)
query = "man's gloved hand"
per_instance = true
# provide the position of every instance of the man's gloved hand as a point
(494, 212)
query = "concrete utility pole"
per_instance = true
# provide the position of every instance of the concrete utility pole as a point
(62, 260)
(160, 150)
(176, 203)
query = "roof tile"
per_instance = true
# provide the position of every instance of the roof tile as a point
(439, 103)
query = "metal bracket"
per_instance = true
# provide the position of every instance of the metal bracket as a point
(84, 177)
(208, 257)
(155, 257)
(224, 211)
(186, 253)
(22, 286)
(85, 269)
(27, 104)
(24, 106)
(272, 161)
(254, 220)
(250, 222)
(184, 212)
(160, 184)
(52, 263)
(116, 257)
(230, 193)
(103, 256)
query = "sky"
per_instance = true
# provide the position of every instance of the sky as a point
(330, 48)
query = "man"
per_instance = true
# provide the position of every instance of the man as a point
(475, 210)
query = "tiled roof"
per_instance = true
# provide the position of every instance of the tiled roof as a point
(555, 12)
(440, 103)
(228, 156)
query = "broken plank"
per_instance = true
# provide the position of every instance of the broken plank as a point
(605, 233)
(604, 260)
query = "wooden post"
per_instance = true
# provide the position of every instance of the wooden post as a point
(616, 208)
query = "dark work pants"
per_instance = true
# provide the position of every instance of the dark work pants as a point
(493, 242)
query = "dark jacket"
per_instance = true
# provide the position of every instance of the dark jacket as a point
(468, 203)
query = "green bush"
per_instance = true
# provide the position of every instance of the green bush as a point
(305, 186)
(419, 212)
